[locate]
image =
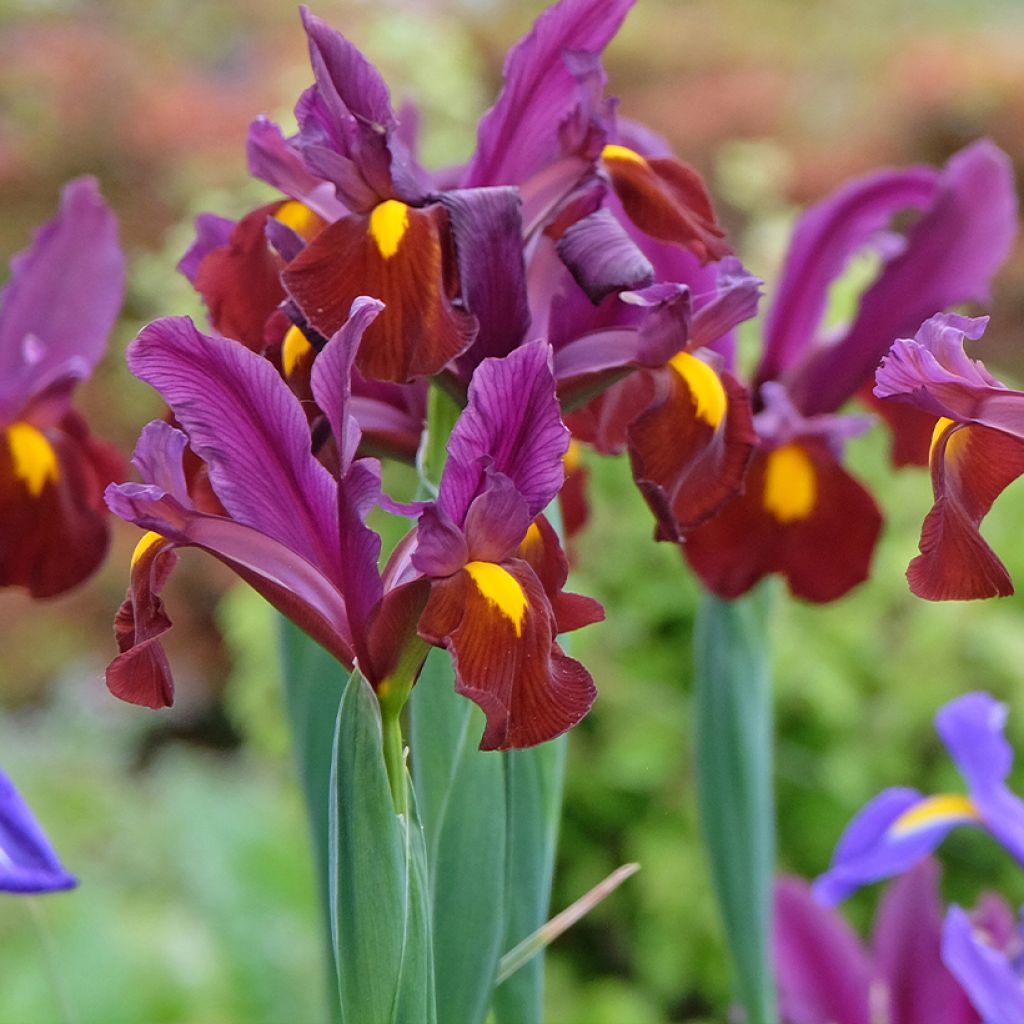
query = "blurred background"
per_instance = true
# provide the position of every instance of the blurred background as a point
(185, 827)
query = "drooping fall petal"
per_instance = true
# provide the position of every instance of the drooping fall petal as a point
(499, 627)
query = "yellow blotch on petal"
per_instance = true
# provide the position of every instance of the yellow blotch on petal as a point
(33, 456)
(941, 426)
(790, 486)
(933, 810)
(705, 387)
(294, 349)
(573, 457)
(613, 152)
(300, 218)
(389, 222)
(501, 589)
(532, 539)
(149, 538)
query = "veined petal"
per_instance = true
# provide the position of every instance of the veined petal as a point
(690, 449)
(400, 255)
(498, 625)
(667, 200)
(61, 301)
(889, 835)
(53, 527)
(246, 425)
(28, 862)
(908, 951)
(824, 975)
(951, 255)
(971, 466)
(513, 424)
(519, 135)
(487, 230)
(801, 515)
(986, 974)
(825, 238)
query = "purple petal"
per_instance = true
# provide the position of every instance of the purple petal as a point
(441, 548)
(158, 458)
(825, 239)
(986, 975)
(512, 422)
(519, 134)
(734, 301)
(332, 377)
(823, 973)
(602, 257)
(488, 233)
(62, 299)
(273, 160)
(951, 254)
(28, 863)
(497, 520)
(244, 422)
(212, 232)
(255, 555)
(908, 951)
(877, 845)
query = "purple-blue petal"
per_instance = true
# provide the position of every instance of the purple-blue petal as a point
(62, 299)
(972, 727)
(28, 862)
(245, 423)
(519, 135)
(986, 974)
(871, 849)
(511, 422)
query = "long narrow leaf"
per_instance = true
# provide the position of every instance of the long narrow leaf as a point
(379, 914)
(733, 725)
(461, 794)
(313, 684)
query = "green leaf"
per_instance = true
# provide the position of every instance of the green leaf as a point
(533, 780)
(733, 727)
(378, 896)
(461, 794)
(313, 684)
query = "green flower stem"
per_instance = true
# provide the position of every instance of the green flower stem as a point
(394, 758)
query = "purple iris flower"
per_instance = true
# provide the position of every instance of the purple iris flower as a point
(826, 976)
(56, 313)
(482, 575)
(985, 953)
(901, 825)
(28, 863)
(977, 450)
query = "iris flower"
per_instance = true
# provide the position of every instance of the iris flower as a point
(482, 575)
(801, 514)
(901, 825)
(56, 312)
(28, 863)
(977, 450)
(826, 976)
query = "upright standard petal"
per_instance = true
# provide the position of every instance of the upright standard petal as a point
(61, 301)
(824, 975)
(519, 135)
(28, 862)
(950, 256)
(511, 424)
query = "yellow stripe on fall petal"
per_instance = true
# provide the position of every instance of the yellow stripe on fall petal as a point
(705, 387)
(573, 457)
(294, 349)
(389, 222)
(149, 538)
(935, 810)
(532, 539)
(941, 426)
(790, 486)
(613, 152)
(500, 588)
(300, 218)
(33, 456)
